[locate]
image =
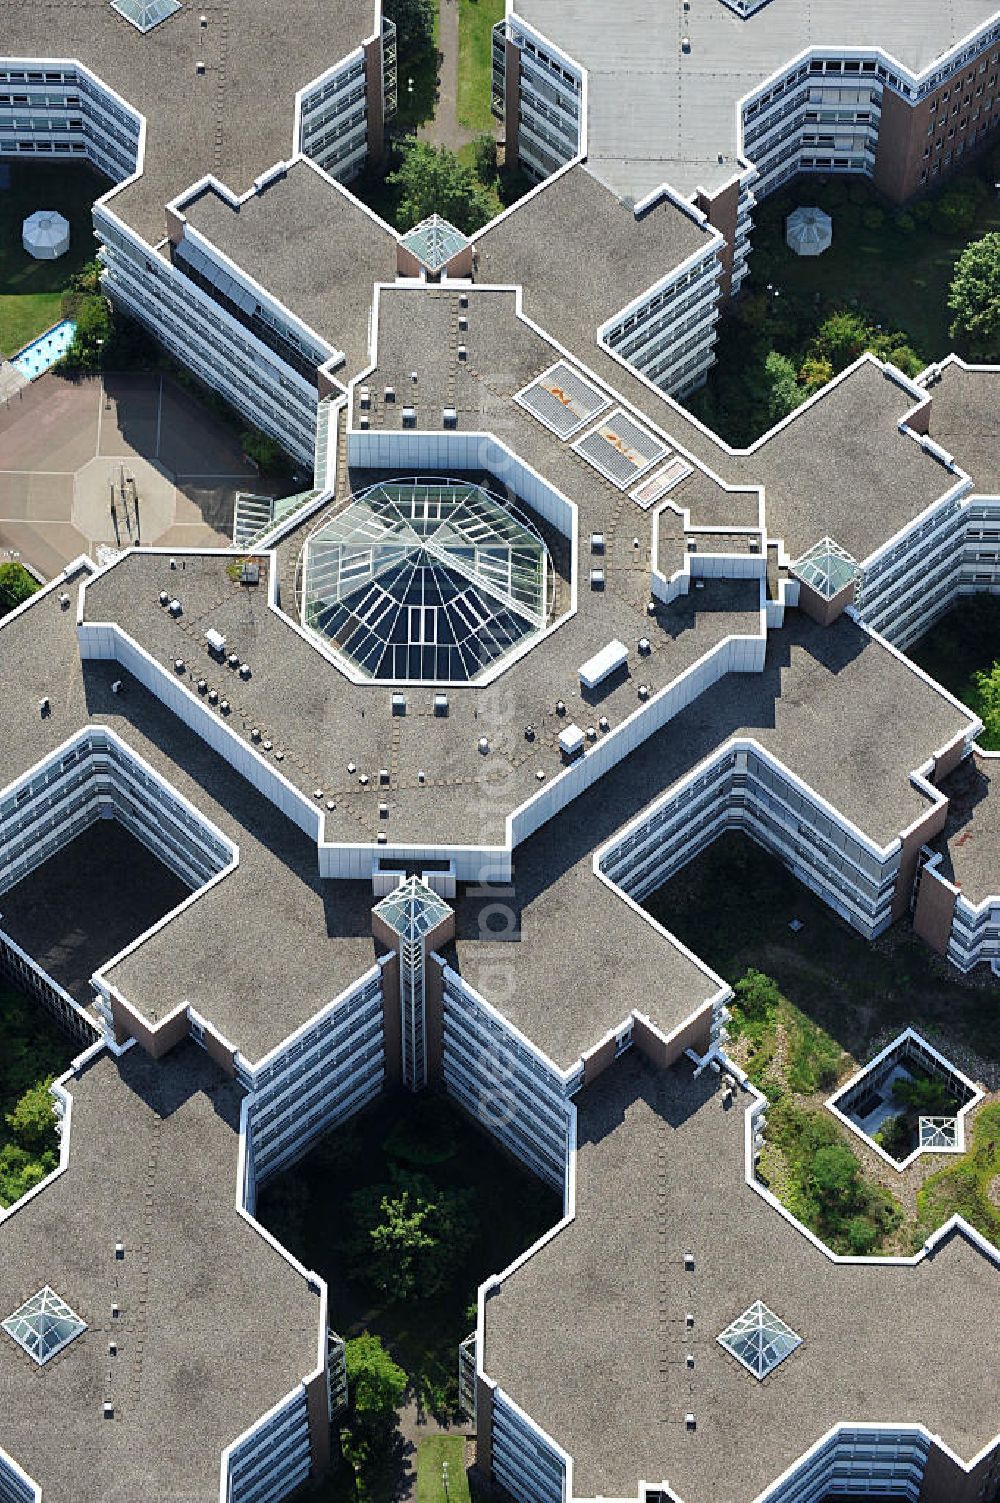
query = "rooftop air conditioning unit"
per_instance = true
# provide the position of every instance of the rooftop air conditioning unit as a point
(449, 417)
(409, 417)
(597, 579)
(216, 641)
(571, 743)
(597, 542)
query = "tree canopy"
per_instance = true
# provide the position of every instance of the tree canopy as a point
(987, 702)
(16, 585)
(408, 1236)
(974, 296)
(432, 180)
(375, 1383)
(414, 25)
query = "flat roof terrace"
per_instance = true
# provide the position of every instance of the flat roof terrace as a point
(659, 114)
(818, 707)
(594, 1324)
(549, 243)
(234, 120)
(964, 420)
(841, 468)
(312, 246)
(254, 985)
(215, 1327)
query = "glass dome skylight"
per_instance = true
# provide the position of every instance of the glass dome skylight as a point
(44, 1325)
(425, 580)
(434, 241)
(759, 1340)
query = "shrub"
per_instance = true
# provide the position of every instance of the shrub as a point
(814, 372)
(905, 223)
(861, 1234)
(757, 995)
(873, 218)
(953, 214)
(264, 451)
(16, 586)
(895, 1136)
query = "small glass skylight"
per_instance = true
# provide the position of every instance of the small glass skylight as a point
(412, 910)
(759, 1340)
(145, 14)
(434, 241)
(826, 568)
(44, 1325)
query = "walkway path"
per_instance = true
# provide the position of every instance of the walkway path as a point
(415, 1425)
(444, 129)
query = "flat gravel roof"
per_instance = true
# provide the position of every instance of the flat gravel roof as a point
(657, 113)
(235, 120)
(313, 246)
(589, 1335)
(965, 420)
(215, 1326)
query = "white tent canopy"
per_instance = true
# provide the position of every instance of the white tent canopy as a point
(808, 231)
(45, 235)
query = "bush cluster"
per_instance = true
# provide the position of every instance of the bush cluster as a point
(826, 1188)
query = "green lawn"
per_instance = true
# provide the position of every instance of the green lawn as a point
(837, 995)
(476, 19)
(30, 290)
(432, 1454)
(962, 643)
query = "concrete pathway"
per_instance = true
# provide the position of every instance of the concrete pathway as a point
(444, 129)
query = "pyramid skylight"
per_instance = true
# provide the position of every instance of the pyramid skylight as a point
(759, 1340)
(412, 910)
(44, 1325)
(145, 14)
(434, 241)
(428, 581)
(826, 568)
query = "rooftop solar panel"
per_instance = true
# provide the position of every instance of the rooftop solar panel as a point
(562, 400)
(620, 449)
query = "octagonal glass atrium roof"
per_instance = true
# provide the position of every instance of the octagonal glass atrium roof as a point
(44, 1325)
(425, 580)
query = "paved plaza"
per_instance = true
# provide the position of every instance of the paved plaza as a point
(117, 461)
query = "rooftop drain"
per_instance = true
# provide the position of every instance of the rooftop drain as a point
(759, 1340)
(44, 1325)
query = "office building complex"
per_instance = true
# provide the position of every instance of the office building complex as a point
(408, 758)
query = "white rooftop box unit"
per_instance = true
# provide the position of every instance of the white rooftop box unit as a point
(596, 669)
(571, 742)
(216, 641)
